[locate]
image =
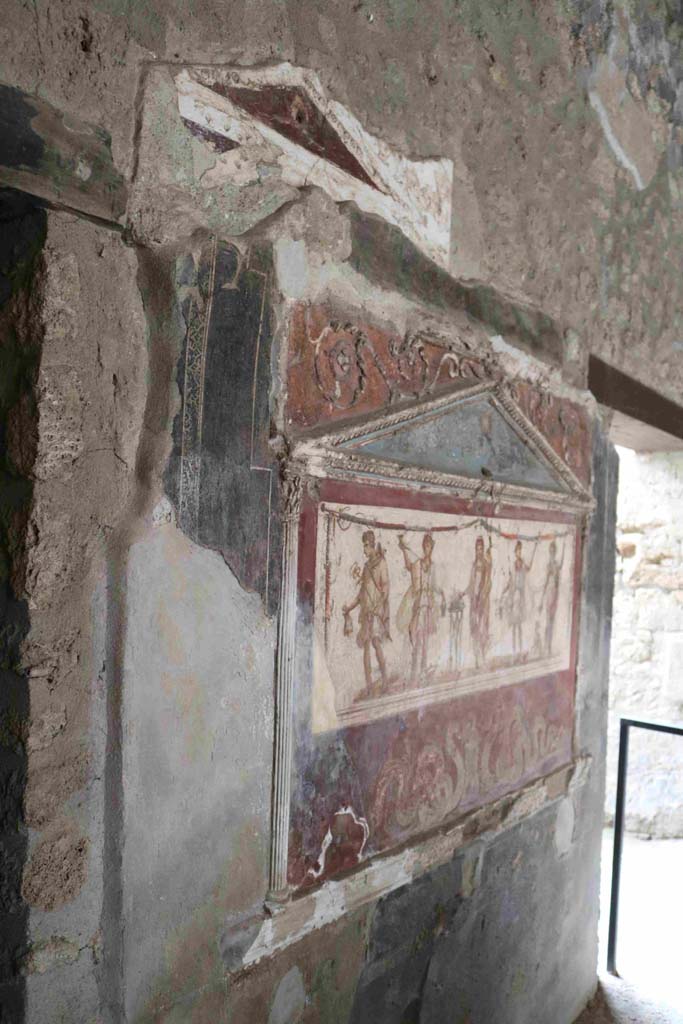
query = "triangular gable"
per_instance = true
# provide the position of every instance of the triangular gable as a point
(473, 438)
(465, 440)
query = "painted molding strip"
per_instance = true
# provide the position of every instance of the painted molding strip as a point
(293, 490)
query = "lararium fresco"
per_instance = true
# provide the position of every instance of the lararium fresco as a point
(416, 607)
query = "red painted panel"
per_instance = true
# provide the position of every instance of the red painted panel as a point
(364, 789)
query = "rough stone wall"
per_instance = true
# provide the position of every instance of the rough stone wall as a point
(646, 674)
(23, 234)
(75, 348)
(90, 394)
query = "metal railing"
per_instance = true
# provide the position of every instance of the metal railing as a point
(626, 725)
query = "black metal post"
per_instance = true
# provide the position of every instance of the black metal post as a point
(618, 845)
(619, 814)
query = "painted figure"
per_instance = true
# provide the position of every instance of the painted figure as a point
(456, 610)
(479, 594)
(515, 597)
(373, 617)
(550, 594)
(421, 599)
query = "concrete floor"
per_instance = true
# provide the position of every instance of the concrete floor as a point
(618, 1002)
(650, 953)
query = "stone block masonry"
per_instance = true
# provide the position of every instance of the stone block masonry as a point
(646, 674)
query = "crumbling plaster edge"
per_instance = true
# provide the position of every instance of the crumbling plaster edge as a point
(288, 923)
(517, 364)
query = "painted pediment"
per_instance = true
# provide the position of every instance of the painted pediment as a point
(473, 438)
(477, 440)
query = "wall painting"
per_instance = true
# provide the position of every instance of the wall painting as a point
(436, 645)
(427, 650)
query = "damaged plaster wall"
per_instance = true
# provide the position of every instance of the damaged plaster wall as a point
(197, 708)
(472, 934)
(562, 123)
(151, 642)
(196, 766)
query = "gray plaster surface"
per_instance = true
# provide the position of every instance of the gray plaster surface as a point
(197, 734)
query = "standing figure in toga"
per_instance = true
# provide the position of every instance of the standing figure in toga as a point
(373, 617)
(551, 594)
(515, 595)
(421, 600)
(479, 593)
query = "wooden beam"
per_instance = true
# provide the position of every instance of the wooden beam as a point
(630, 398)
(57, 157)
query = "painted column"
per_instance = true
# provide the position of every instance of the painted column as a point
(284, 696)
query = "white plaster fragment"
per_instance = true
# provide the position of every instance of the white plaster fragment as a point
(83, 170)
(520, 364)
(612, 141)
(471, 871)
(581, 772)
(361, 822)
(415, 195)
(263, 942)
(315, 280)
(328, 838)
(326, 843)
(564, 826)
(163, 513)
(292, 268)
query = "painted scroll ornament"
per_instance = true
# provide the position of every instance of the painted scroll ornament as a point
(356, 367)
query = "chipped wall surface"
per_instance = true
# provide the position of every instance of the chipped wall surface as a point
(175, 736)
(645, 672)
(429, 945)
(272, 230)
(451, 935)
